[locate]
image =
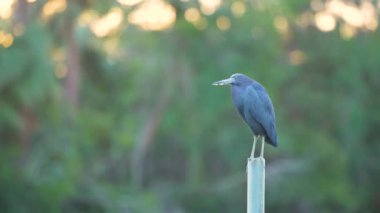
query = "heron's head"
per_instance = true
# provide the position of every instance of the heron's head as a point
(235, 79)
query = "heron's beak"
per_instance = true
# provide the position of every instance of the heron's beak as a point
(224, 82)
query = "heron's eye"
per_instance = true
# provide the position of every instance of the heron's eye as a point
(234, 82)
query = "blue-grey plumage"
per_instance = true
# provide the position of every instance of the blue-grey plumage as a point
(254, 105)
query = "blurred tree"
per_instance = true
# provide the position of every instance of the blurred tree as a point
(106, 106)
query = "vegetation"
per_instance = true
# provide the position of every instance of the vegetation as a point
(107, 106)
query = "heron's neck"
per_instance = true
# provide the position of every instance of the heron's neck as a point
(236, 93)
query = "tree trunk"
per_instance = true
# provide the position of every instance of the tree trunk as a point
(146, 138)
(73, 65)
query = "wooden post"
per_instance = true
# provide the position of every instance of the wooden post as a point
(255, 184)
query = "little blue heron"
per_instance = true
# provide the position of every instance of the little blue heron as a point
(255, 107)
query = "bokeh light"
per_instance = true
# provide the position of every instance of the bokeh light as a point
(6, 8)
(129, 2)
(347, 31)
(60, 70)
(363, 16)
(192, 15)
(108, 23)
(370, 15)
(153, 15)
(297, 57)
(335, 7)
(223, 23)
(238, 8)
(325, 21)
(352, 16)
(53, 7)
(208, 7)
(281, 24)
(6, 39)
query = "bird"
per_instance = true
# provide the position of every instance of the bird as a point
(254, 105)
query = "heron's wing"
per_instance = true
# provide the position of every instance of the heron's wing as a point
(259, 105)
(241, 112)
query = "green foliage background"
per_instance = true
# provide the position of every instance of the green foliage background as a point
(61, 157)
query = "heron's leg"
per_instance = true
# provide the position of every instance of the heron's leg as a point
(262, 147)
(253, 147)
